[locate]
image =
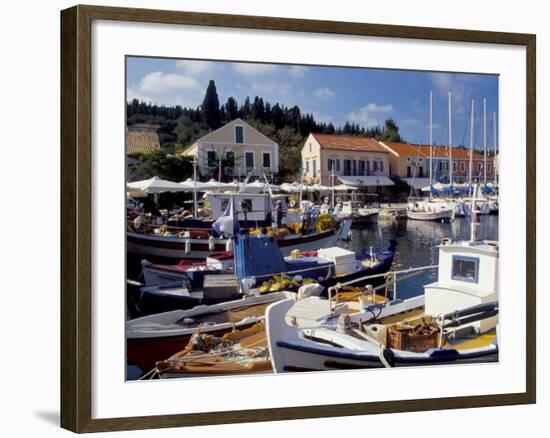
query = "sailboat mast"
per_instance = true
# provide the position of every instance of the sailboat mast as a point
(431, 145)
(450, 145)
(495, 151)
(484, 142)
(332, 184)
(471, 147)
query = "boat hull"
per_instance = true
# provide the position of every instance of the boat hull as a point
(156, 247)
(445, 215)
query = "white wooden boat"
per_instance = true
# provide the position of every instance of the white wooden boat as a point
(455, 321)
(157, 337)
(430, 215)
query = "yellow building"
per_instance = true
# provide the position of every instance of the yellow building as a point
(351, 156)
(251, 151)
(409, 161)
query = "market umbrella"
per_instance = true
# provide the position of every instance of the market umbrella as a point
(154, 185)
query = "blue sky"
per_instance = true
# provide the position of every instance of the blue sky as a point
(332, 94)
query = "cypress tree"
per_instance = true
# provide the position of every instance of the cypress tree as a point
(211, 107)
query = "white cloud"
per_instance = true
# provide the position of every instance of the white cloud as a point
(160, 82)
(324, 93)
(194, 67)
(254, 69)
(371, 114)
(298, 71)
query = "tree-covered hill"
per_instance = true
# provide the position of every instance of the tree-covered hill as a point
(288, 126)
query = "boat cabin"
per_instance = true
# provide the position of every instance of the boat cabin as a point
(256, 205)
(467, 276)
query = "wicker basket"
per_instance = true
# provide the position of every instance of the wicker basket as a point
(404, 339)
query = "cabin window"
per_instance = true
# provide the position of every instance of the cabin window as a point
(329, 164)
(462, 166)
(465, 269)
(310, 147)
(266, 159)
(375, 166)
(421, 172)
(246, 205)
(249, 159)
(489, 167)
(454, 166)
(409, 172)
(239, 135)
(479, 166)
(361, 167)
(307, 167)
(224, 204)
(381, 166)
(354, 164)
(314, 167)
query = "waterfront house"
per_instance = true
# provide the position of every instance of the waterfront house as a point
(410, 160)
(242, 149)
(360, 158)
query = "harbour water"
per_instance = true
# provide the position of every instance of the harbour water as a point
(417, 244)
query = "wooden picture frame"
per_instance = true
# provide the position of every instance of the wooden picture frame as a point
(76, 222)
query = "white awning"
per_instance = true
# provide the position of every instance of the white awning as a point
(417, 183)
(154, 185)
(367, 181)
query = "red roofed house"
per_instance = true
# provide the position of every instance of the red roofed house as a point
(404, 157)
(350, 157)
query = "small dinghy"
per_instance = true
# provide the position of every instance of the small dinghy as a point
(156, 337)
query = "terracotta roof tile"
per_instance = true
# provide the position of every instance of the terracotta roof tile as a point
(437, 151)
(349, 143)
(141, 142)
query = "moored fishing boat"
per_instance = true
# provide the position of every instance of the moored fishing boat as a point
(159, 336)
(197, 245)
(194, 271)
(455, 321)
(260, 264)
(427, 211)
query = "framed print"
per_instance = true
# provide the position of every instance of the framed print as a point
(258, 213)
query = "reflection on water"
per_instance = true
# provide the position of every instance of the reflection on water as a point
(417, 244)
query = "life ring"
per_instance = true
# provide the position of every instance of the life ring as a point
(211, 244)
(326, 200)
(292, 203)
(338, 200)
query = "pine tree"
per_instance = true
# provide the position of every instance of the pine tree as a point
(231, 108)
(211, 107)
